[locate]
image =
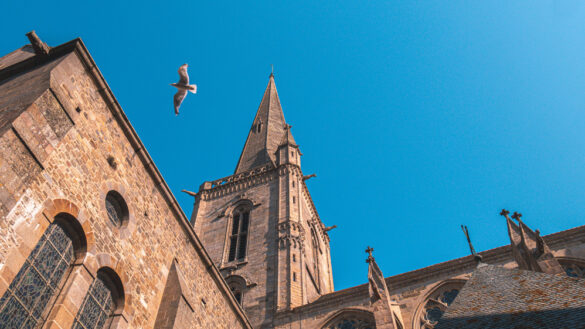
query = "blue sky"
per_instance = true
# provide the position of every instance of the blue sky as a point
(417, 116)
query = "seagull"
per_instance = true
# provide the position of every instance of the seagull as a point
(183, 86)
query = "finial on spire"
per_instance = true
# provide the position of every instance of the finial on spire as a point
(369, 251)
(272, 70)
(517, 216)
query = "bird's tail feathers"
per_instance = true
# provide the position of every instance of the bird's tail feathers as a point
(193, 88)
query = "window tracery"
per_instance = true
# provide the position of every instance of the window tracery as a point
(352, 321)
(574, 268)
(436, 304)
(102, 299)
(25, 302)
(239, 234)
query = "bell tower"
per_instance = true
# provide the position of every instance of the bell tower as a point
(260, 225)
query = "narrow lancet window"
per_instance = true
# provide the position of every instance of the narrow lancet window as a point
(239, 235)
(315, 247)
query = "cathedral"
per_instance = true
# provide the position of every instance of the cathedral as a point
(92, 237)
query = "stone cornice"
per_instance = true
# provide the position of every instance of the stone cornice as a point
(237, 182)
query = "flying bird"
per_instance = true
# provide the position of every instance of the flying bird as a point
(183, 87)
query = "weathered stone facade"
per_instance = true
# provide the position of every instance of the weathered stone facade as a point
(279, 268)
(64, 144)
(287, 263)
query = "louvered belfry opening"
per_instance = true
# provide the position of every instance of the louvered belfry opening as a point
(239, 234)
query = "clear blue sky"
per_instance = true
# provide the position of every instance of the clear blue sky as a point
(417, 116)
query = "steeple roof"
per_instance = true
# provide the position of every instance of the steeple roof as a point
(267, 132)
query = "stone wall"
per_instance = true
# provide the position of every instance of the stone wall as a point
(63, 154)
(410, 291)
(212, 223)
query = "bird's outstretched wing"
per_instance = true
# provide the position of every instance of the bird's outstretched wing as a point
(178, 99)
(184, 77)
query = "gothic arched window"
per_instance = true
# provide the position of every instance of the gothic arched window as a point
(26, 302)
(352, 320)
(103, 298)
(239, 234)
(574, 268)
(436, 304)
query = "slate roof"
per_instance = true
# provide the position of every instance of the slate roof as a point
(261, 145)
(497, 297)
(16, 56)
(20, 91)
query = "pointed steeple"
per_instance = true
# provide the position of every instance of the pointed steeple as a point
(267, 132)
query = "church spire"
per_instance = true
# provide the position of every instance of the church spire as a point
(267, 132)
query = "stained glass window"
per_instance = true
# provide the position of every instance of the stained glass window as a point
(97, 307)
(352, 322)
(239, 235)
(436, 305)
(25, 302)
(116, 208)
(574, 269)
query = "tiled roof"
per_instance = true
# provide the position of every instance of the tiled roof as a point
(496, 297)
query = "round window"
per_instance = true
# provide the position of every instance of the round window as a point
(116, 208)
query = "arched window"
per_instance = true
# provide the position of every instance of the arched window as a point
(436, 304)
(26, 302)
(237, 286)
(352, 320)
(259, 126)
(237, 294)
(104, 297)
(574, 268)
(117, 208)
(239, 234)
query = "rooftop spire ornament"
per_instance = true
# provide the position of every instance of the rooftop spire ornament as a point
(369, 251)
(466, 232)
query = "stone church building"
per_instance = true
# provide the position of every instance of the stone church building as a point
(92, 237)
